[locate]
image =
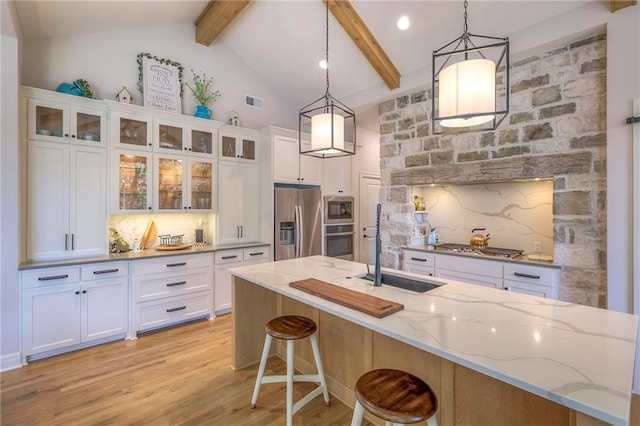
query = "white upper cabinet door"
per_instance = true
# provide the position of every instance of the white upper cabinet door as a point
(286, 165)
(171, 194)
(336, 175)
(131, 182)
(131, 131)
(170, 137)
(238, 144)
(202, 142)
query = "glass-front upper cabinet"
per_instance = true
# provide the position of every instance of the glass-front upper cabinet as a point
(171, 181)
(170, 137)
(58, 121)
(131, 131)
(133, 170)
(238, 146)
(203, 142)
(201, 185)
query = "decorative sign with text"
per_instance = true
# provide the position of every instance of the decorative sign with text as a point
(160, 83)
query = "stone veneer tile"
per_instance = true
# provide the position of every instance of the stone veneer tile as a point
(589, 40)
(593, 66)
(572, 203)
(389, 150)
(537, 131)
(422, 130)
(431, 143)
(419, 97)
(387, 106)
(442, 157)
(591, 141)
(546, 95)
(555, 111)
(520, 117)
(487, 139)
(510, 151)
(508, 136)
(539, 81)
(417, 160)
(386, 128)
(472, 156)
(402, 102)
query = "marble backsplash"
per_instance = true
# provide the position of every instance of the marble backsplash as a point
(515, 214)
(131, 227)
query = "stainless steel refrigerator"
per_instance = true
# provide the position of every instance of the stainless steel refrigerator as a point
(298, 221)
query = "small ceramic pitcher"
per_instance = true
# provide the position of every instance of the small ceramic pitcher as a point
(203, 112)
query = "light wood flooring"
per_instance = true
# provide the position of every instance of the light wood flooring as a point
(175, 376)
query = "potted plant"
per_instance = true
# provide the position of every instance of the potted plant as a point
(200, 90)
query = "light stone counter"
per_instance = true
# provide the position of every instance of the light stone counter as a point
(577, 356)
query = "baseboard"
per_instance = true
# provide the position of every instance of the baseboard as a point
(10, 361)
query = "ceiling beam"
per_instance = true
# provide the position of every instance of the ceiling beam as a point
(620, 4)
(366, 42)
(216, 17)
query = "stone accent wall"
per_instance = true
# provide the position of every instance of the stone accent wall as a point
(556, 128)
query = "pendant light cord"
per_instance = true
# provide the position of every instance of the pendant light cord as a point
(465, 28)
(327, 51)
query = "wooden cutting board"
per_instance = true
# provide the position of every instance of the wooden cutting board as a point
(366, 303)
(169, 248)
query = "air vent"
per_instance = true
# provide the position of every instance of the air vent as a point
(253, 101)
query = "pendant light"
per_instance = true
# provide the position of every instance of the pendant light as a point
(331, 124)
(470, 83)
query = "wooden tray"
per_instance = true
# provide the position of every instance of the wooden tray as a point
(366, 303)
(169, 248)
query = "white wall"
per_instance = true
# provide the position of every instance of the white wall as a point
(108, 62)
(9, 299)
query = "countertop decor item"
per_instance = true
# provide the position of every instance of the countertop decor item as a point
(79, 87)
(124, 96)
(200, 88)
(470, 76)
(149, 236)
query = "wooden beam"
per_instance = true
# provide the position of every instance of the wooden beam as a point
(216, 17)
(620, 4)
(366, 42)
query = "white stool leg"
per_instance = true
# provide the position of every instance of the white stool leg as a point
(358, 414)
(316, 355)
(290, 382)
(432, 421)
(263, 364)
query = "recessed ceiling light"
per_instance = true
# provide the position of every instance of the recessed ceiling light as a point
(323, 64)
(403, 23)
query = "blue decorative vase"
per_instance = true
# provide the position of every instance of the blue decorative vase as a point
(70, 89)
(203, 112)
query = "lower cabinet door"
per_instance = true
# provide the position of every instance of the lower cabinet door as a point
(222, 295)
(51, 318)
(105, 308)
(529, 289)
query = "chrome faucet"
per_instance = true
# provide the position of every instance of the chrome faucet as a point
(377, 281)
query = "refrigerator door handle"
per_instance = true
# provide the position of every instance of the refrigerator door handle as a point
(297, 231)
(301, 227)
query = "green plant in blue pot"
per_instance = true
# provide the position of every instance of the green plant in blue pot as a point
(200, 88)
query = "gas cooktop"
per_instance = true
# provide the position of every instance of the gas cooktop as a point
(489, 251)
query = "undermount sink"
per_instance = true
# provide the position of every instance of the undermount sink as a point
(412, 284)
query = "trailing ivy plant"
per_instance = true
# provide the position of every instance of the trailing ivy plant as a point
(86, 88)
(162, 61)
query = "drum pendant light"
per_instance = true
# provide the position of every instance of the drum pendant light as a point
(331, 124)
(470, 83)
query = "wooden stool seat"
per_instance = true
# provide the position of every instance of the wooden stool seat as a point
(291, 327)
(396, 396)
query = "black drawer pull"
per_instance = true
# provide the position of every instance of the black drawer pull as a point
(105, 271)
(260, 253)
(176, 283)
(229, 257)
(523, 275)
(417, 258)
(176, 309)
(170, 265)
(53, 277)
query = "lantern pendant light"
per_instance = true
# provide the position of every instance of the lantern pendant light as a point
(330, 124)
(470, 83)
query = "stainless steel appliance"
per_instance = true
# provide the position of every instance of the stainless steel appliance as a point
(338, 209)
(338, 241)
(298, 221)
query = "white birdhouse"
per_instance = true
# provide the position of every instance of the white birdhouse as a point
(124, 96)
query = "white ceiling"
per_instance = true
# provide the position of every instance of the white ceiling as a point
(284, 40)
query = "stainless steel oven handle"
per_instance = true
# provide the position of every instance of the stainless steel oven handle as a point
(338, 234)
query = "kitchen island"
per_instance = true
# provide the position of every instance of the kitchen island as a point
(493, 357)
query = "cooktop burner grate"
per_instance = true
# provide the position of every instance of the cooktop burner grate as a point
(489, 251)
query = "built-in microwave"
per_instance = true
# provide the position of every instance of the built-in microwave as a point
(338, 209)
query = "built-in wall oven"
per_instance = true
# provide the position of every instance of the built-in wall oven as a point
(338, 241)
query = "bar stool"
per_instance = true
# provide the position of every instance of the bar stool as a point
(292, 328)
(395, 396)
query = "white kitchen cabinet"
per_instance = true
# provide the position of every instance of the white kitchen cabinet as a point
(66, 200)
(336, 175)
(183, 184)
(132, 182)
(419, 262)
(171, 289)
(227, 259)
(238, 202)
(65, 308)
(238, 144)
(532, 279)
(291, 167)
(56, 117)
(131, 130)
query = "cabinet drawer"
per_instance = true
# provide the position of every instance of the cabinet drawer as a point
(158, 286)
(419, 258)
(228, 256)
(98, 271)
(256, 253)
(547, 292)
(50, 276)
(171, 263)
(164, 312)
(529, 274)
(488, 268)
(469, 278)
(419, 269)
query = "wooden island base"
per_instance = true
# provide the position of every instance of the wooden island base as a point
(348, 350)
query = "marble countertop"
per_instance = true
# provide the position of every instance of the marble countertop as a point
(134, 255)
(518, 259)
(578, 356)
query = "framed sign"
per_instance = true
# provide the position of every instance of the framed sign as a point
(160, 81)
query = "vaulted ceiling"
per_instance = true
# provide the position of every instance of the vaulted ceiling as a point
(284, 40)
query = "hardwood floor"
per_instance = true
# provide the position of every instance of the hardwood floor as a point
(176, 376)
